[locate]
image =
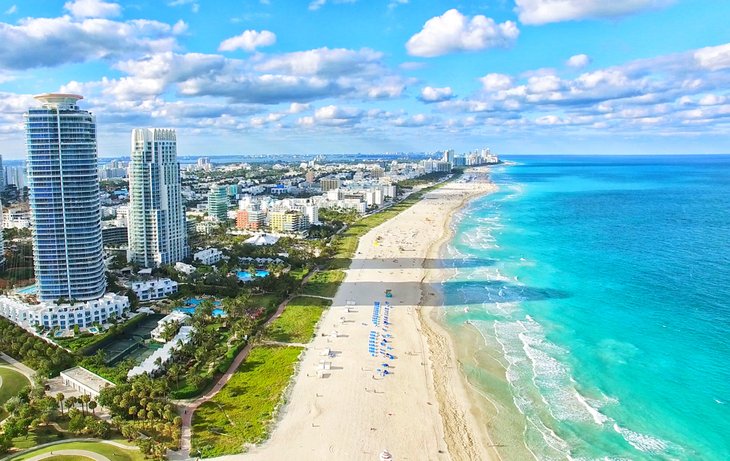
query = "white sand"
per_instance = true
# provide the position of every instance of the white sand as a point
(421, 410)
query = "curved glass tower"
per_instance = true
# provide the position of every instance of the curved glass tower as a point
(157, 230)
(64, 199)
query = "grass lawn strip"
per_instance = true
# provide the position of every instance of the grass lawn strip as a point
(112, 452)
(68, 458)
(324, 283)
(243, 410)
(296, 324)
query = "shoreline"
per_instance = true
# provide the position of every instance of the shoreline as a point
(339, 406)
(465, 436)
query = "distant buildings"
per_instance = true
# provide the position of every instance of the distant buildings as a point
(330, 184)
(218, 203)
(289, 221)
(157, 229)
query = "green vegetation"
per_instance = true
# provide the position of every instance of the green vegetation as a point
(324, 283)
(68, 458)
(110, 451)
(296, 324)
(39, 436)
(422, 180)
(11, 382)
(345, 244)
(46, 359)
(243, 410)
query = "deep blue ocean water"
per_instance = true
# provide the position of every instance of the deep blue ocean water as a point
(604, 283)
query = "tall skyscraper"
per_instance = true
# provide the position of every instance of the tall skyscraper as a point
(218, 203)
(2, 175)
(64, 199)
(2, 239)
(157, 230)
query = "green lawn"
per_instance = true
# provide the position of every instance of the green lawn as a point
(296, 324)
(110, 451)
(324, 283)
(68, 458)
(243, 410)
(38, 436)
(11, 382)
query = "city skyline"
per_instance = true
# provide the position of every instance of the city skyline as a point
(273, 77)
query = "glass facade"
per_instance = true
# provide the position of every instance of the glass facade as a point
(157, 229)
(64, 200)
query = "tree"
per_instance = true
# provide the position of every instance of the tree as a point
(85, 399)
(92, 406)
(60, 398)
(77, 424)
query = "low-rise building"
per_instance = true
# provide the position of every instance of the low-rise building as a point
(161, 358)
(84, 381)
(186, 269)
(287, 221)
(148, 290)
(28, 312)
(174, 317)
(209, 256)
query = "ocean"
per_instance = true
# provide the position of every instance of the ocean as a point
(600, 288)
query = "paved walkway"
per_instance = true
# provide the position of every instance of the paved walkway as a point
(27, 371)
(84, 453)
(187, 408)
(315, 296)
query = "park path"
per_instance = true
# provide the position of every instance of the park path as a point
(25, 370)
(187, 408)
(316, 296)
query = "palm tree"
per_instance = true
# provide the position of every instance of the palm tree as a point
(60, 398)
(85, 399)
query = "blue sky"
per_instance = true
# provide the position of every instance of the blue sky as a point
(345, 76)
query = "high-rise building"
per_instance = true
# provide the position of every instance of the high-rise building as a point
(64, 199)
(2, 175)
(2, 239)
(157, 229)
(218, 203)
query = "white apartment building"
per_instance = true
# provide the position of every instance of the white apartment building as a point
(27, 312)
(149, 290)
(209, 256)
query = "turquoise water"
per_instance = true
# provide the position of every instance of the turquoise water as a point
(604, 283)
(192, 303)
(245, 276)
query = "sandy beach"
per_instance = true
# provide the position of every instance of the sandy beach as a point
(409, 398)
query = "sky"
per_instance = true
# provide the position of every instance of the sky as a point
(349, 76)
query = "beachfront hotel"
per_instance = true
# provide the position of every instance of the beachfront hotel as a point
(65, 210)
(157, 228)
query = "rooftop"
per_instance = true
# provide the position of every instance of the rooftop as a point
(87, 378)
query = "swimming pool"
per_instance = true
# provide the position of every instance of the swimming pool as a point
(29, 290)
(192, 303)
(245, 276)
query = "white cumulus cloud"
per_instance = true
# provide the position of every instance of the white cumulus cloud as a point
(430, 94)
(249, 40)
(577, 61)
(494, 82)
(452, 32)
(545, 11)
(714, 57)
(93, 9)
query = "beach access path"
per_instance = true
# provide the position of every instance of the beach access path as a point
(339, 406)
(186, 408)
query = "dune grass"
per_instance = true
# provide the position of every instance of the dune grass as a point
(324, 283)
(243, 410)
(296, 324)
